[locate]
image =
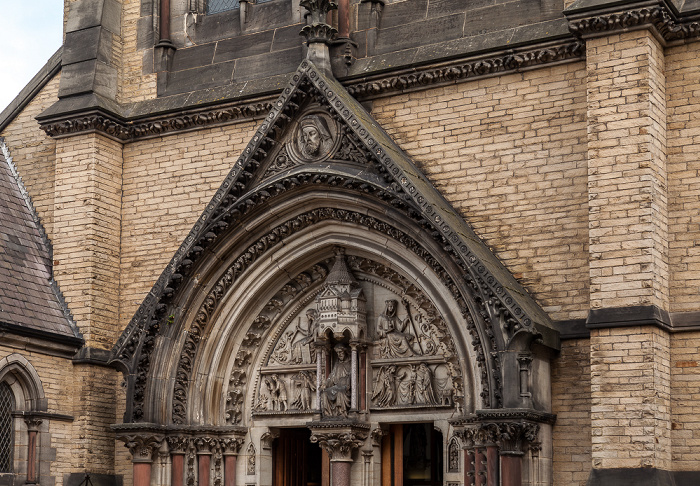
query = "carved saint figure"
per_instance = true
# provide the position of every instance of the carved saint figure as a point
(407, 385)
(308, 335)
(424, 386)
(305, 383)
(394, 341)
(335, 392)
(384, 391)
(314, 138)
(250, 469)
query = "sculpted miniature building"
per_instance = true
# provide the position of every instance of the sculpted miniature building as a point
(427, 242)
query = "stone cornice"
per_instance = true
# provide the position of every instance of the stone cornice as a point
(657, 16)
(122, 128)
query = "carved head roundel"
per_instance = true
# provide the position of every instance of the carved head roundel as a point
(315, 137)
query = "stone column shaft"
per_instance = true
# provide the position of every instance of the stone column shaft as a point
(178, 469)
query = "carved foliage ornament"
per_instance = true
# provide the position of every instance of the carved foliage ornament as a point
(658, 17)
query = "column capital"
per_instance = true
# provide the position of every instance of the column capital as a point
(339, 440)
(142, 446)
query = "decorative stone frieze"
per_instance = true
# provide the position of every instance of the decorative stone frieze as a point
(656, 16)
(339, 439)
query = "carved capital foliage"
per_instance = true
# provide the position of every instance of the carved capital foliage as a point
(339, 440)
(33, 423)
(141, 446)
(231, 445)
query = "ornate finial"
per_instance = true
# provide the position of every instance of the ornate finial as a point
(317, 29)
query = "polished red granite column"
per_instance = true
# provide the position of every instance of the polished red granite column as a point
(32, 432)
(492, 466)
(229, 470)
(177, 471)
(511, 469)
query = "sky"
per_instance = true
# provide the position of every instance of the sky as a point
(30, 32)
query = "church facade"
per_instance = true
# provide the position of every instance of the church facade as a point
(353, 243)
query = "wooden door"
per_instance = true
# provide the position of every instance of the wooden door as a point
(295, 460)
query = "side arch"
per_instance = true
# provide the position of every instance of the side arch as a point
(24, 381)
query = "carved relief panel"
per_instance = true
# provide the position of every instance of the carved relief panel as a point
(411, 361)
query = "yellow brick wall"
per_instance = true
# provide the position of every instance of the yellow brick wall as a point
(571, 402)
(34, 153)
(85, 443)
(683, 79)
(134, 85)
(631, 398)
(627, 172)
(87, 212)
(509, 153)
(167, 183)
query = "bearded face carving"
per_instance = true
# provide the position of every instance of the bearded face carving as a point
(315, 137)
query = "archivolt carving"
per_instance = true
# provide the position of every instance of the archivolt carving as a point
(389, 184)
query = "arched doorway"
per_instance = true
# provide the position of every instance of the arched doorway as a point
(329, 287)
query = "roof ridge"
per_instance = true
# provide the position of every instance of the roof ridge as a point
(42, 234)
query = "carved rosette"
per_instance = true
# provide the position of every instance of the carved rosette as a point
(339, 440)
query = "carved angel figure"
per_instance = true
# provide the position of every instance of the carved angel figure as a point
(384, 391)
(394, 341)
(335, 393)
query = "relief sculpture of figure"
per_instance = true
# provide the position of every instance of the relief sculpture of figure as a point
(394, 341)
(308, 336)
(407, 385)
(335, 393)
(314, 137)
(384, 391)
(278, 393)
(424, 386)
(305, 382)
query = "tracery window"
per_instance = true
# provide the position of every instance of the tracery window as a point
(7, 406)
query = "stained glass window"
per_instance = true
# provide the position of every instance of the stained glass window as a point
(216, 6)
(7, 406)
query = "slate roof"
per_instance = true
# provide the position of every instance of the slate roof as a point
(30, 301)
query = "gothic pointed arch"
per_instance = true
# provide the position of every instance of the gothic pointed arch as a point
(326, 238)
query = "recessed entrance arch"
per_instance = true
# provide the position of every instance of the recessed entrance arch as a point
(329, 287)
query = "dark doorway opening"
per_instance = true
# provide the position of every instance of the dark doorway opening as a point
(295, 460)
(412, 456)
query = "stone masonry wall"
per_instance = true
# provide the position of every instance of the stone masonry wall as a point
(34, 153)
(87, 211)
(682, 81)
(509, 154)
(167, 183)
(571, 402)
(136, 81)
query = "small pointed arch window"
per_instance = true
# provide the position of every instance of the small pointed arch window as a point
(7, 406)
